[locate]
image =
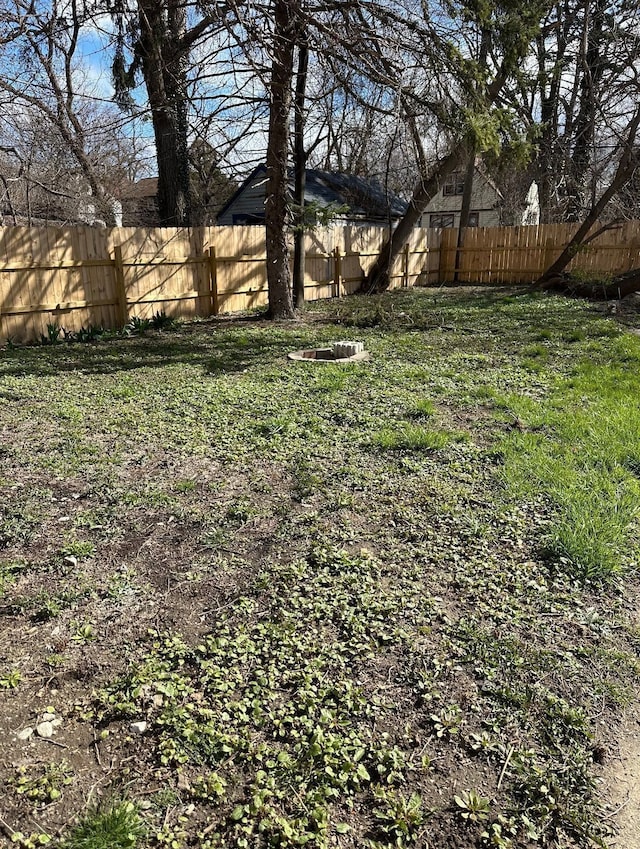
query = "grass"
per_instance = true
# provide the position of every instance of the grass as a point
(366, 605)
(116, 825)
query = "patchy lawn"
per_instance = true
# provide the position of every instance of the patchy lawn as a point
(246, 602)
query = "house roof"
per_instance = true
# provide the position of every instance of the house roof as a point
(365, 198)
(145, 188)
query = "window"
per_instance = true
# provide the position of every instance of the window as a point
(441, 220)
(453, 184)
(474, 219)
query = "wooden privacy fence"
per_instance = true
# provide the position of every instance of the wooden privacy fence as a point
(508, 255)
(81, 276)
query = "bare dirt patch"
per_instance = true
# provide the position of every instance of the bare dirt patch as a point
(621, 784)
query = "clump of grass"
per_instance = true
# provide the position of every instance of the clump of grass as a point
(409, 437)
(423, 409)
(116, 826)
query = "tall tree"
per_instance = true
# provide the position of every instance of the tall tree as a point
(628, 165)
(157, 41)
(42, 76)
(577, 102)
(496, 39)
(300, 171)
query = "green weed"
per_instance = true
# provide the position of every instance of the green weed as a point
(116, 825)
(408, 437)
(42, 784)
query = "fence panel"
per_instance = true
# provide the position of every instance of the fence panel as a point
(73, 277)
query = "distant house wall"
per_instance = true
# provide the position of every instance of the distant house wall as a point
(140, 204)
(248, 205)
(444, 209)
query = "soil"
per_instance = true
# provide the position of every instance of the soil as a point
(622, 781)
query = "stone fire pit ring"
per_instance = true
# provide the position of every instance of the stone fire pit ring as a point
(339, 352)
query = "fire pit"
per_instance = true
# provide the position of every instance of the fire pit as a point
(339, 352)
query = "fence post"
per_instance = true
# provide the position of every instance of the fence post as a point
(337, 272)
(405, 270)
(121, 291)
(213, 277)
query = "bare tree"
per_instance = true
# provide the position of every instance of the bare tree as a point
(578, 102)
(496, 40)
(628, 165)
(42, 76)
(157, 41)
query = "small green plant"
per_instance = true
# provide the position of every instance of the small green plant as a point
(137, 326)
(88, 334)
(55, 661)
(576, 335)
(34, 840)
(83, 634)
(472, 806)
(447, 722)
(240, 511)
(186, 485)
(52, 336)
(276, 426)
(10, 680)
(423, 409)
(211, 786)
(116, 825)
(213, 538)
(398, 818)
(42, 784)
(161, 321)
(8, 570)
(410, 437)
(77, 548)
(597, 279)
(305, 478)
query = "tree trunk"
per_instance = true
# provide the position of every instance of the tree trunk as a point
(164, 68)
(300, 168)
(465, 209)
(592, 71)
(621, 286)
(276, 200)
(427, 188)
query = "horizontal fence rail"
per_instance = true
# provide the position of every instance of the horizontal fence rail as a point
(82, 276)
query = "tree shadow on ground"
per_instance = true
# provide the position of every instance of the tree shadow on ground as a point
(214, 352)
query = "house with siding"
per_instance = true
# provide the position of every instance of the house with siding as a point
(444, 209)
(489, 207)
(357, 200)
(140, 203)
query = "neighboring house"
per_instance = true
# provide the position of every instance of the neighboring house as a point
(489, 207)
(140, 203)
(366, 200)
(444, 209)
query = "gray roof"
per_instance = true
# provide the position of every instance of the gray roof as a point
(366, 198)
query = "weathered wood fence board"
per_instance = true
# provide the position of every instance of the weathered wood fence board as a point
(81, 276)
